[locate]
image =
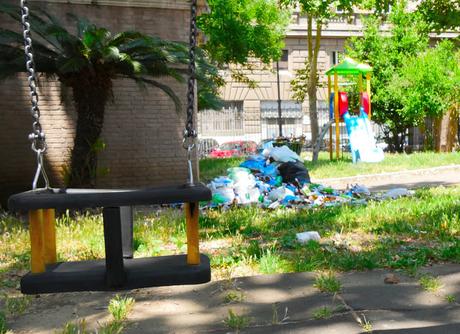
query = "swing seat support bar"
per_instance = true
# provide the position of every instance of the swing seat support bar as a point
(115, 272)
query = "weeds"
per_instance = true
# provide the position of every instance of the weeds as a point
(3, 325)
(120, 307)
(235, 321)
(234, 296)
(450, 299)
(322, 313)
(327, 282)
(75, 328)
(430, 283)
(17, 305)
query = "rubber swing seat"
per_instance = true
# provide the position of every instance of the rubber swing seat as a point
(92, 198)
(115, 272)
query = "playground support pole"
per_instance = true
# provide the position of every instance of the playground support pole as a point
(336, 115)
(368, 86)
(360, 83)
(330, 112)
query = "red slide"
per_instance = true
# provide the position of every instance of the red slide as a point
(365, 102)
(343, 104)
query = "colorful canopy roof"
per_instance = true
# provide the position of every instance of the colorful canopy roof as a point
(349, 66)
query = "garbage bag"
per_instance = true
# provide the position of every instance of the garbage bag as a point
(256, 165)
(278, 194)
(248, 196)
(292, 171)
(282, 154)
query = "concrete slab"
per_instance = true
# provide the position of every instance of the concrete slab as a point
(272, 303)
(449, 275)
(367, 291)
(429, 321)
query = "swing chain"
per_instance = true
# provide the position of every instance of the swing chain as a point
(37, 137)
(190, 133)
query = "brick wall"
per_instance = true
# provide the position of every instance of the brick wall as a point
(142, 131)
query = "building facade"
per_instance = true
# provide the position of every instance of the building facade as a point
(252, 113)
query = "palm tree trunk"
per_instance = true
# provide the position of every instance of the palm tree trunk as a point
(90, 97)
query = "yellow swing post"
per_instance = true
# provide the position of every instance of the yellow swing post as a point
(42, 232)
(329, 104)
(336, 115)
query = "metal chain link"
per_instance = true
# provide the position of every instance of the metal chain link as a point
(37, 136)
(189, 132)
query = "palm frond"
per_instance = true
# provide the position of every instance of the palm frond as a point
(166, 89)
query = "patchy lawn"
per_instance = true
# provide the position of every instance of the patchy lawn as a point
(405, 233)
(325, 168)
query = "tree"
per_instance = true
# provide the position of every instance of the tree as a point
(428, 86)
(385, 52)
(237, 30)
(88, 62)
(318, 13)
(441, 14)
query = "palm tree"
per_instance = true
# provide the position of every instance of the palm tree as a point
(88, 62)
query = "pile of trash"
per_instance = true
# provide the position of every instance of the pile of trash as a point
(278, 178)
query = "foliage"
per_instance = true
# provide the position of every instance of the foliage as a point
(238, 29)
(386, 53)
(306, 81)
(89, 61)
(322, 313)
(441, 14)
(428, 84)
(327, 282)
(236, 321)
(430, 283)
(120, 307)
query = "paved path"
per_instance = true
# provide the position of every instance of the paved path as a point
(272, 303)
(436, 176)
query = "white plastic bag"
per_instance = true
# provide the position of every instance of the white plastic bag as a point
(282, 154)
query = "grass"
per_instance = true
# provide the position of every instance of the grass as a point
(322, 313)
(327, 282)
(450, 299)
(3, 325)
(120, 307)
(400, 234)
(235, 321)
(430, 283)
(234, 296)
(325, 168)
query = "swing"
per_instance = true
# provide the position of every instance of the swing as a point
(114, 272)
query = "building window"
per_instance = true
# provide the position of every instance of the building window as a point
(291, 114)
(335, 57)
(227, 121)
(284, 61)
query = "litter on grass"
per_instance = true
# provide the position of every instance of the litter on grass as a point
(278, 178)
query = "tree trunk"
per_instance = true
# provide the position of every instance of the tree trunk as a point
(312, 90)
(90, 94)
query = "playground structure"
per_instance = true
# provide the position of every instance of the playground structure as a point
(361, 137)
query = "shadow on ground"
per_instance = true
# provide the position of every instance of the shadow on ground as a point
(272, 303)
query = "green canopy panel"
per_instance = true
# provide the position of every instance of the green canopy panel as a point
(349, 66)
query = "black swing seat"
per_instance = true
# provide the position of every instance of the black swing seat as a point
(114, 272)
(92, 198)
